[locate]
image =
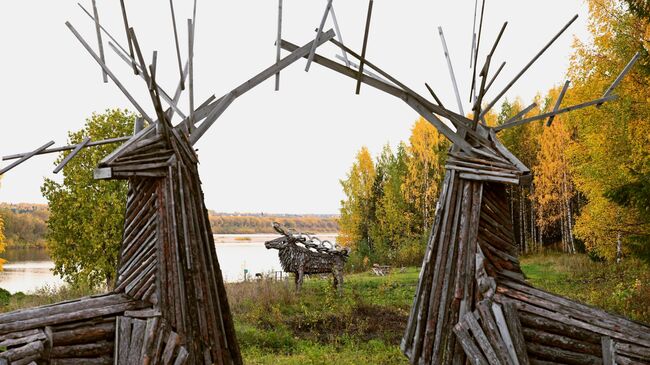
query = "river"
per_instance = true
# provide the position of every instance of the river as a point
(28, 269)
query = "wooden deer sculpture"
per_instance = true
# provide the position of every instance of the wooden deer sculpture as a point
(300, 255)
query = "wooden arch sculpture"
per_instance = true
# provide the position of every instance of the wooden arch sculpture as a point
(169, 305)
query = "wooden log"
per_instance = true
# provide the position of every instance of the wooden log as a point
(109, 73)
(585, 312)
(561, 342)
(97, 349)
(562, 317)
(481, 339)
(259, 78)
(476, 177)
(516, 332)
(72, 154)
(17, 353)
(364, 47)
(608, 351)
(90, 333)
(474, 354)
(319, 33)
(560, 355)
(418, 310)
(124, 330)
(137, 340)
(558, 102)
(23, 340)
(484, 310)
(182, 356)
(26, 157)
(427, 344)
(100, 43)
(171, 344)
(496, 99)
(104, 360)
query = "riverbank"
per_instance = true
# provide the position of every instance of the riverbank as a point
(366, 324)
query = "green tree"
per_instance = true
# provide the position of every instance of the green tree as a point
(610, 157)
(357, 208)
(426, 168)
(87, 215)
(2, 234)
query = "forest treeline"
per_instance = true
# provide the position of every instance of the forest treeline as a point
(25, 225)
(223, 223)
(591, 168)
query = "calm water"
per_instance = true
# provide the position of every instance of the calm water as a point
(29, 269)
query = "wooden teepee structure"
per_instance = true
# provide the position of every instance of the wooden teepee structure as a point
(473, 304)
(169, 305)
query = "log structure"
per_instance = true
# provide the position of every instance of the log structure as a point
(472, 303)
(302, 254)
(169, 304)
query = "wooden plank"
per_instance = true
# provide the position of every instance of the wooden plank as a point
(492, 331)
(608, 348)
(190, 60)
(475, 177)
(560, 111)
(25, 157)
(558, 102)
(365, 46)
(339, 35)
(109, 73)
(494, 77)
(450, 67)
(511, 83)
(519, 115)
(506, 337)
(435, 97)
(220, 105)
(507, 154)
(100, 43)
(128, 36)
(71, 155)
(70, 147)
(620, 77)
(319, 33)
(481, 339)
(123, 331)
(474, 354)
(472, 93)
(178, 48)
(278, 48)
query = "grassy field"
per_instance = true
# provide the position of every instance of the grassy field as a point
(365, 324)
(618, 288)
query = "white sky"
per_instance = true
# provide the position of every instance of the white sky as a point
(270, 152)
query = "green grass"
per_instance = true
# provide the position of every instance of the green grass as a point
(362, 326)
(622, 288)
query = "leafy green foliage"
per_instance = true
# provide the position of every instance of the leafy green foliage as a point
(390, 202)
(25, 225)
(86, 215)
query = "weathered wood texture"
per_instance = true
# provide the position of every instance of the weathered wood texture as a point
(473, 302)
(302, 254)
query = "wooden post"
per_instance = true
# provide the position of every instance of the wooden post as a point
(365, 46)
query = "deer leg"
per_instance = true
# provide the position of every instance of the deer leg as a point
(301, 276)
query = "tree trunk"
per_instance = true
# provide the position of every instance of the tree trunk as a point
(619, 248)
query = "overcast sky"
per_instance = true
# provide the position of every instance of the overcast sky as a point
(280, 152)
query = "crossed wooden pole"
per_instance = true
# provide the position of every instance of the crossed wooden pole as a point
(169, 305)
